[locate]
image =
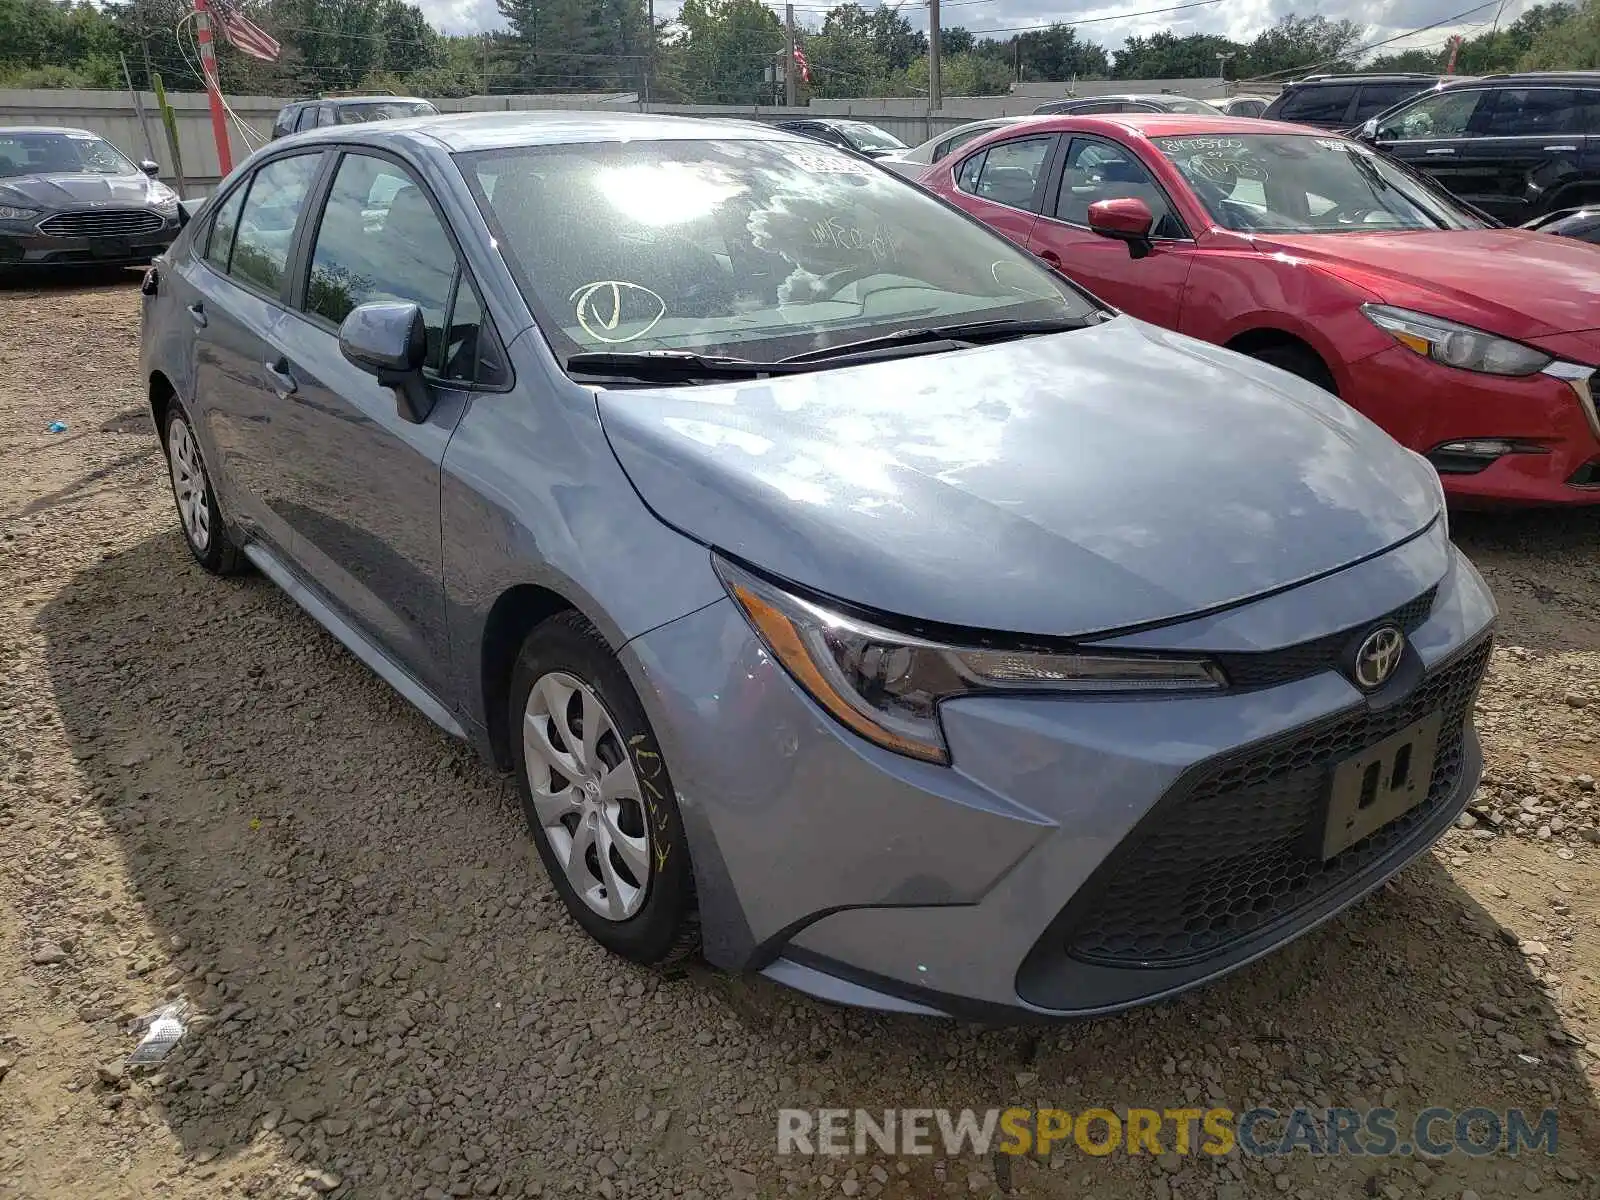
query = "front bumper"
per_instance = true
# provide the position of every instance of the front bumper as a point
(1427, 406)
(29, 247)
(867, 878)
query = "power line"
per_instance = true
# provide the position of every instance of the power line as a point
(1360, 50)
(1127, 16)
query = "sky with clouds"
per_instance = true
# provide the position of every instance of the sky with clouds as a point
(1238, 19)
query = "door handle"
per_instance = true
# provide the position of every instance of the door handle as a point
(197, 314)
(1442, 150)
(1560, 147)
(282, 381)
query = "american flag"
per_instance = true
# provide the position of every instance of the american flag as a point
(247, 37)
(800, 61)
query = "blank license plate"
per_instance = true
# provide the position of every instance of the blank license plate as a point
(1374, 787)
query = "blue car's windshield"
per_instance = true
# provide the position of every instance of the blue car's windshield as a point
(754, 248)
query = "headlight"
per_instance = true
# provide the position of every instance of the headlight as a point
(7, 213)
(887, 686)
(1456, 345)
(164, 200)
(1438, 489)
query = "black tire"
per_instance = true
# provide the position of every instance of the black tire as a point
(218, 553)
(666, 927)
(1297, 360)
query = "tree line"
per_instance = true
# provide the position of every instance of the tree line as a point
(714, 51)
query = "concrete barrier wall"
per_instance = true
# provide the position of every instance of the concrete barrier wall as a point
(111, 114)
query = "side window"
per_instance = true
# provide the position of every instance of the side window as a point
(1009, 171)
(1441, 115)
(967, 176)
(285, 122)
(1098, 106)
(951, 145)
(1318, 104)
(307, 118)
(223, 226)
(380, 240)
(267, 220)
(1097, 170)
(471, 350)
(1375, 97)
(1534, 112)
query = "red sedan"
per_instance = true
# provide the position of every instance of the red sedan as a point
(1471, 344)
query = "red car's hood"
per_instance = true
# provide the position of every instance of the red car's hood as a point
(1508, 281)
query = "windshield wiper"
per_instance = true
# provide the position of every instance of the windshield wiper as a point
(968, 333)
(670, 365)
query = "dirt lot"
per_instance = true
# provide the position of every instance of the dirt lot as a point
(202, 795)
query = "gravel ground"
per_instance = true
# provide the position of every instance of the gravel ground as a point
(201, 795)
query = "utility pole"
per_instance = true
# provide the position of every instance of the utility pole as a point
(935, 93)
(138, 107)
(1016, 54)
(788, 61)
(650, 55)
(486, 63)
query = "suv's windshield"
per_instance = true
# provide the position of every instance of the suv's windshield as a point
(759, 249)
(1298, 183)
(60, 154)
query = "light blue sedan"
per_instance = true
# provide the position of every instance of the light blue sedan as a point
(851, 597)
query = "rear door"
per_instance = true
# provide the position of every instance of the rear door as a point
(1097, 168)
(1533, 145)
(1003, 184)
(362, 482)
(237, 306)
(1437, 134)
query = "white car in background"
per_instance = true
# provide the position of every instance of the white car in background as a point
(1244, 106)
(910, 163)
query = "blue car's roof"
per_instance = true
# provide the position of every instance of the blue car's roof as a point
(469, 131)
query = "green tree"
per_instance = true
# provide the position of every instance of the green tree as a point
(1057, 53)
(1166, 56)
(719, 53)
(1569, 42)
(1303, 44)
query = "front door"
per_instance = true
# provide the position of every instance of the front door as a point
(364, 482)
(1441, 135)
(1150, 288)
(1003, 184)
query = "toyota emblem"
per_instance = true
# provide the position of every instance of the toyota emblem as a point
(1379, 656)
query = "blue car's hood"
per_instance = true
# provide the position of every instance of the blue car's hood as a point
(1081, 482)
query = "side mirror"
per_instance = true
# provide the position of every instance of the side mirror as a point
(151, 168)
(389, 339)
(1369, 130)
(1125, 220)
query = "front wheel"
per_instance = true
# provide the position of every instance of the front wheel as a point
(1298, 361)
(597, 797)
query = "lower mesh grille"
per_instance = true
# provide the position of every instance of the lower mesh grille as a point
(1237, 848)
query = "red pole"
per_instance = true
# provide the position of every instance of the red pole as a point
(208, 66)
(1455, 49)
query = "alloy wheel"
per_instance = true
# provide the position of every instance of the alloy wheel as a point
(586, 794)
(189, 484)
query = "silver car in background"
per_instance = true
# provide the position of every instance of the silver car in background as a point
(910, 163)
(850, 597)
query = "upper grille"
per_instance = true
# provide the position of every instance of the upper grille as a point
(1272, 667)
(1238, 848)
(102, 222)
